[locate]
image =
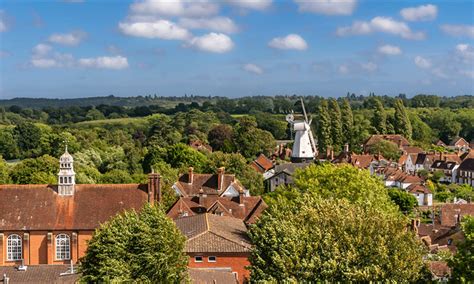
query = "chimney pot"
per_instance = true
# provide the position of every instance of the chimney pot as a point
(241, 197)
(190, 175)
(220, 178)
(201, 196)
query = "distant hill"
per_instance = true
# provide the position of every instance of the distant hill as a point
(111, 100)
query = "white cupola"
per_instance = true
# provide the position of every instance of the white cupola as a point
(66, 175)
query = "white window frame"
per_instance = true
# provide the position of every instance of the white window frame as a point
(63, 247)
(209, 258)
(14, 248)
(196, 258)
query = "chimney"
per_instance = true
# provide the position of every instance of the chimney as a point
(190, 175)
(400, 143)
(328, 152)
(441, 155)
(346, 148)
(414, 226)
(220, 178)
(201, 197)
(332, 154)
(154, 188)
(241, 197)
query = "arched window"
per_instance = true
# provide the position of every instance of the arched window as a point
(62, 247)
(14, 247)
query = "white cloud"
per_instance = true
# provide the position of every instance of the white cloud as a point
(327, 7)
(388, 49)
(158, 29)
(423, 62)
(381, 24)
(421, 13)
(105, 62)
(3, 22)
(41, 50)
(73, 38)
(44, 62)
(251, 4)
(175, 8)
(369, 66)
(465, 52)
(343, 69)
(458, 30)
(291, 41)
(252, 68)
(212, 42)
(219, 24)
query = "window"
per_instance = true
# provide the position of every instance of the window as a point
(14, 247)
(70, 179)
(198, 259)
(62, 247)
(450, 241)
(212, 259)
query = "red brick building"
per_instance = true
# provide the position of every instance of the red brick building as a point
(216, 242)
(51, 224)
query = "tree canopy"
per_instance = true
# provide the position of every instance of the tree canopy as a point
(462, 264)
(143, 247)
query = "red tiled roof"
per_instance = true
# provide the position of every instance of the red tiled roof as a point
(418, 188)
(412, 149)
(39, 207)
(206, 182)
(212, 233)
(39, 274)
(252, 207)
(450, 212)
(212, 276)
(395, 138)
(262, 164)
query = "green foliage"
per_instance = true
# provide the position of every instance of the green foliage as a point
(387, 149)
(168, 177)
(313, 239)
(8, 146)
(182, 156)
(162, 133)
(336, 125)
(250, 140)
(144, 247)
(220, 138)
(347, 122)
(28, 137)
(4, 177)
(42, 170)
(323, 127)
(406, 202)
(462, 264)
(379, 119)
(402, 122)
(276, 125)
(116, 176)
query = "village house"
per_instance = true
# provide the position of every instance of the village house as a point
(397, 139)
(423, 195)
(262, 165)
(282, 175)
(417, 162)
(220, 184)
(216, 242)
(245, 208)
(448, 168)
(459, 144)
(466, 172)
(51, 224)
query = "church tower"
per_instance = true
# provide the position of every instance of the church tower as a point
(66, 175)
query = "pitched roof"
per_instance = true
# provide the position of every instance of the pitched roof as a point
(206, 182)
(262, 164)
(213, 233)
(39, 274)
(249, 211)
(467, 165)
(458, 140)
(450, 213)
(289, 168)
(440, 143)
(363, 161)
(39, 207)
(418, 188)
(443, 165)
(424, 158)
(467, 155)
(212, 276)
(412, 149)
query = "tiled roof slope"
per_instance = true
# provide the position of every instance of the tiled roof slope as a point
(39, 207)
(39, 274)
(248, 211)
(467, 165)
(213, 233)
(212, 276)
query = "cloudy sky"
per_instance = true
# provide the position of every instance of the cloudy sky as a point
(235, 47)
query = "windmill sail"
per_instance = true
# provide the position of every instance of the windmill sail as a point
(304, 146)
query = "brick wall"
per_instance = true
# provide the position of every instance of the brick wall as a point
(237, 262)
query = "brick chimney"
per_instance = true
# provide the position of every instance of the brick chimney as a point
(332, 154)
(201, 196)
(220, 178)
(241, 197)
(328, 152)
(154, 187)
(400, 143)
(441, 155)
(190, 175)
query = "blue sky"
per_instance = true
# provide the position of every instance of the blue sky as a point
(233, 48)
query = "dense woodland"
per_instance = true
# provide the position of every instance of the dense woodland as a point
(121, 143)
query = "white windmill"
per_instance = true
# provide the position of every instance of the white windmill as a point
(304, 147)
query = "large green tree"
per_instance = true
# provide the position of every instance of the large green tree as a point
(220, 138)
(347, 122)
(136, 247)
(4, 177)
(379, 119)
(323, 127)
(28, 137)
(401, 121)
(41, 170)
(462, 264)
(250, 140)
(336, 124)
(313, 239)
